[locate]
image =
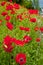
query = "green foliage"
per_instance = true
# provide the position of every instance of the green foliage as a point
(27, 3)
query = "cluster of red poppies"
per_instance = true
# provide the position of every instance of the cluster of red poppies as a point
(8, 41)
(7, 45)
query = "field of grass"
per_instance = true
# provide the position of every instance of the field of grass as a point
(32, 49)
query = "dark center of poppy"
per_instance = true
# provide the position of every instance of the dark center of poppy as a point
(21, 59)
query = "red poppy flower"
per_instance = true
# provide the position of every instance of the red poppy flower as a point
(27, 29)
(19, 42)
(36, 28)
(27, 39)
(24, 28)
(41, 29)
(7, 18)
(33, 20)
(16, 6)
(8, 48)
(19, 17)
(10, 0)
(9, 7)
(3, 3)
(9, 25)
(4, 13)
(0, 22)
(12, 12)
(7, 44)
(38, 39)
(33, 11)
(21, 58)
(7, 40)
